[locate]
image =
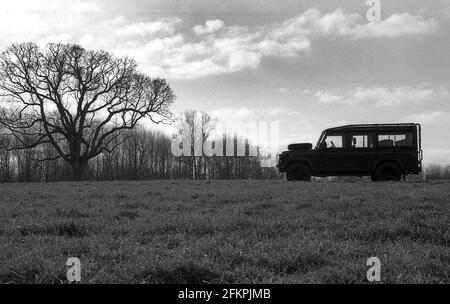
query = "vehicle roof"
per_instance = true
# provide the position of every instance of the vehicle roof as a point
(376, 127)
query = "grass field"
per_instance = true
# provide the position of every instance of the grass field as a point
(225, 231)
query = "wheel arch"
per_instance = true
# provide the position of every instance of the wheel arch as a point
(386, 161)
(299, 161)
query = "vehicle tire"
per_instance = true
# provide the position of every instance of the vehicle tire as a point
(298, 172)
(388, 172)
(373, 177)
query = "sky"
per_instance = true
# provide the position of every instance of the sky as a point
(308, 64)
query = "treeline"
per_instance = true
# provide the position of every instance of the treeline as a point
(137, 154)
(437, 172)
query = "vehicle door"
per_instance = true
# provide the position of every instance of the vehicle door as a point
(362, 152)
(332, 154)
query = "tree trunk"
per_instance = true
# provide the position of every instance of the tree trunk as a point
(79, 170)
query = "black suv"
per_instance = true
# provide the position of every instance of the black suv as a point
(381, 151)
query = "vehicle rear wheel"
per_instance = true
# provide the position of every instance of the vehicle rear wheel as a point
(373, 176)
(298, 172)
(388, 172)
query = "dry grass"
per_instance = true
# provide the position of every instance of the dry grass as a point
(225, 231)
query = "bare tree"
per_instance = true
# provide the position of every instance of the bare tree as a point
(78, 101)
(5, 162)
(195, 126)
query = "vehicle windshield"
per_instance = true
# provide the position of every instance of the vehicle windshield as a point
(330, 140)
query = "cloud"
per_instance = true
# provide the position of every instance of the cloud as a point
(164, 26)
(314, 22)
(447, 11)
(41, 20)
(328, 97)
(283, 90)
(166, 48)
(438, 118)
(49, 6)
(382, 96)
(340, 23)
(397, 25)
(228, 49)
(233, 114)
(210, 26)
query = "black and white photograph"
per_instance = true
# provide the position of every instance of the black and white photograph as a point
(224, 149)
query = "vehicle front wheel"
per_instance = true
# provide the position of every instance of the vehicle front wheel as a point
(298, 172)
(388, 172)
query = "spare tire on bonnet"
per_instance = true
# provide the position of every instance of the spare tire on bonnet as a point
(296, 147)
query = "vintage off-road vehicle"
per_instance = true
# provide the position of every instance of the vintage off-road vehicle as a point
(382, 151)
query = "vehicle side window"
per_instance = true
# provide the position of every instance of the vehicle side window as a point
(334, 142)
(405, 140)
(361, 141)
(395, 140)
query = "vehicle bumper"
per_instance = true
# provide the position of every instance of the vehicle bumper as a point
(280, 165)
